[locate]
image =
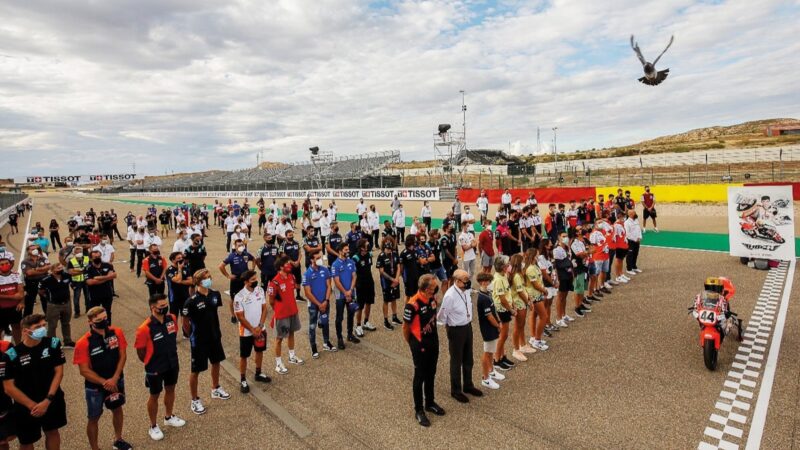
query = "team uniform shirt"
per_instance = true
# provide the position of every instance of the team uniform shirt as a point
(467, 239)
(572, 217)
(178, 293)
(598, 239)
(648, 200)
(344, 269)
(102, 290)
(424, 253)
(5, 360)
(311, 242)
(389, 264)
(352, 239)
(620, 240)
(469, 217)
(180, 245)
(154, 266)
(374, 220)
(335, 241)
(268, 254)
(399, 218)
(361, 209)
(249, 303)
(58, 291)
(317, 280)
(435, 250)
(282, 288)
(505, 198)
(485, 241)
(8, 286)
(160, 343)
(578, 247)
(238, 262)
(291, 249)
(411, 269)
(100, 352)
(33, 368)
(500, 286)
(426, 211)
(448, 243)
(28, 264)
(201, 310)
(364, 281)
(486, 309)
(533, 275)
(325, 226)
(195, 257)
(483, 205)
(420, 314)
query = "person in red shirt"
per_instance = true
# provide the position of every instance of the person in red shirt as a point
(649, 208)
(621, 249)
(486, 246)
(12, 294)
(600, 256)
(100, 356)
(285, 321)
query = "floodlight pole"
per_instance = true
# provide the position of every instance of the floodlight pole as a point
(464, 122)
(555, 148)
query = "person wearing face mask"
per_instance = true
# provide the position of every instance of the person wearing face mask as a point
(182, 242)
(76, 266)
(180, 282)
(139, 240)
(633, 232)
(388, 265)
(399, 220)
(566, 274)
(409, 266)
(230, 227)
(291, 248)
(456, 314)
(157, 347)
(99, 279)
(237, 235)
(155, 271)
(265, 260)
(55, 287)
(205, 337)
(365, 287)
(240, 262)
(649, 209)
(324, 230)
(250, 307)
(285, 321)
(426, 214)
(343, 272)
(12, 297)
(106, 250)
(34, 371)
(312, 247)
(35, 267)
(449, 245)
(196, 254)
(151, 239)
(421, 334)
(100, 355)
(317, 287)
(334, 245)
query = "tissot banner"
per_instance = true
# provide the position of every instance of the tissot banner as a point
(322, 194)
(761, 222)
(75, 179)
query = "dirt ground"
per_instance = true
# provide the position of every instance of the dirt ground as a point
(630, 375)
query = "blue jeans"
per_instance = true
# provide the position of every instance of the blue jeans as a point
(77, 288)
(313, 318)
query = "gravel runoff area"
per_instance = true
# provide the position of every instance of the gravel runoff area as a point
(630, 375)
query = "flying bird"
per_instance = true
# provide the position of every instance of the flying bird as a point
(651, 76)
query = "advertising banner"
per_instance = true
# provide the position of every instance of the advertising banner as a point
(761, 222)
(431, 194)
(75, 179)
(543, 195)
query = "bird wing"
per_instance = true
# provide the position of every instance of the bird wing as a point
(671, 38)
(662, 75)
(635, 47)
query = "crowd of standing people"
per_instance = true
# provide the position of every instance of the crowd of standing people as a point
(522, 275)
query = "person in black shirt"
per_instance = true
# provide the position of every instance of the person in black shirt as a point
(99, 276)
(157, 347)
(388, 264)
(334, 244)
(179, 282)
(448, 244)
(100, 356)
(8, 429)
(196, 254)
(114, 226)
(56, 288)
(266, 258)
(291, 248)
(12, 222)
(163, 220)
(107, 225)
(389, 231)
(33, 380)
(154, 270)
(409, 266)
(311, 244)
(365, 286)
(489, 323)
(205, 337)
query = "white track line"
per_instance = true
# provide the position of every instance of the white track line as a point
(760, 413)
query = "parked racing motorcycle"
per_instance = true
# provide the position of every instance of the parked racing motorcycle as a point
(763, 232)
(715, 323)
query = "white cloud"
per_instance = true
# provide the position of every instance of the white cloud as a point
(200, 84)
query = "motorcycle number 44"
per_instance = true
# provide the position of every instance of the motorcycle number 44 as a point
(708, 316)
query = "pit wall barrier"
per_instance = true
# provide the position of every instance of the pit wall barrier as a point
(665, 193)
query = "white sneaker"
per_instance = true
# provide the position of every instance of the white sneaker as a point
(359, 331)
(220, 394)
(562, 324)
(644, 230)
(197, 407)
(608, 285)
(637, 270)
(369, 327)
(630, 272)
(155, 433)
(175, 421)
(295, 360)
(540, 345)
(519, 356)
(527, 349)
(623, 279)
(568, 318)
(497, 375)
(281, 369)
(656, 230)
(489, 383)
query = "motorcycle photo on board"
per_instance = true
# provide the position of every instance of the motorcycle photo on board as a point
(712, 310)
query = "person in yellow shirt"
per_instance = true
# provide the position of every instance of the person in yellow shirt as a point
(519, 303)
(534, 287)
(501, 295)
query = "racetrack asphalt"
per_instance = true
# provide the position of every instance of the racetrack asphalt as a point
(630, 375)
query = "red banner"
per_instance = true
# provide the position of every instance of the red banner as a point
(795, 187)
(543, 195)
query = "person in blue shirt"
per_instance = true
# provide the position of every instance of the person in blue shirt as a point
(240, 261)
(41, 241)
(353, 236)
(343, 272)
(266, 258)
(317, 287)
(236, 208)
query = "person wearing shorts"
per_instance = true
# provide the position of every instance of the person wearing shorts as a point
(489, 324)
(388, 265)
(33, 366)
(285, 320)
(250, 307)
(100, 355)
(365, 287)
(501, 295)
(157, 347)
(205, 337)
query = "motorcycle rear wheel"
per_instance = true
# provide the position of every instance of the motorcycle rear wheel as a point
(710, 354)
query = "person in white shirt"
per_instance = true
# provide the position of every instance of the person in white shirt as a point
(182, 242)
(106, 250)
(141, 222)
(374, 220)
(152, 238)
(469, 219)
(332, 211)
(361, 208)
(468, 244)
(281, 228)
(140, 240)
(426, 214)
(455, 313)
(238, 233)
(414, 226)
(395, 204)
(505, 200)
(78, 218)
(247, 223)
(399, 220)
(316, 215)
(273, 208)
(271, 225)
(483, 205)
(633, 232)
(324, 228)
(532, 200)
(365, 228)
(250, 308)
(230, 224)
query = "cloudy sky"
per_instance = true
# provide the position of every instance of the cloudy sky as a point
(89, 86)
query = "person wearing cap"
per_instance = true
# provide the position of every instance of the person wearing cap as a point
(12, 297)
(343, 273)
(100, 355)
(421, 335)
(455, 313)
(317, 287)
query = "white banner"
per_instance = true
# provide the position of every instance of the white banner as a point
(76, 179)
(322, 194)
(761, 222)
